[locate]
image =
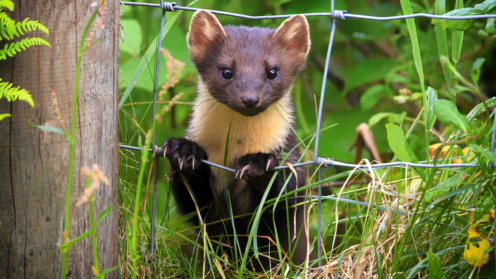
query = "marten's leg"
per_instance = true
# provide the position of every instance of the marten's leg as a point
(185, 157)
(253, 168)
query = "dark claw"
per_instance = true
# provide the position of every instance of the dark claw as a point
(164, 148)
(269, 161)
(247, 167)
(183, 154)
(254, 165)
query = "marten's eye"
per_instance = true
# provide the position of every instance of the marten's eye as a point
(272, 74)
(226, 74)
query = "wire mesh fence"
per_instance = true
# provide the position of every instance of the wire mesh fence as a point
(320, 162)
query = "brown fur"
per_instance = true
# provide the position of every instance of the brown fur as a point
(258, 135)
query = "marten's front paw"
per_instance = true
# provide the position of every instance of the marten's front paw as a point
(183, 154)
(254, 165)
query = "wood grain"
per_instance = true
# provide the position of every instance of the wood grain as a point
(34, 163)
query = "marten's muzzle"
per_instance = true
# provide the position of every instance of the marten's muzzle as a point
(250, 100)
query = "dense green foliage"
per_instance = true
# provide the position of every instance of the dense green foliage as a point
(386, 74)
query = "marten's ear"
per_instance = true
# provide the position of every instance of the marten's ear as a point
(204, 31)
(294, 35)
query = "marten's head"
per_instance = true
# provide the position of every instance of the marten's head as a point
(248, 69)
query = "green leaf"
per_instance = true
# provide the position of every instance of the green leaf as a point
(442, 40)
(458, 24)
(13, 93)
(447, 113)
(104, 214)
(431, 98)
(132, 40)
(378, 117)
(449, 183)
(477, 109)
(476, 69)
(435, 267)
(490, 26)
(150, 52)
(368, 71)
(4, 115)
(66, 246)
(487, 6)
(26, 26)
(371, 96)
(49, 129)
(397, 117)
(484, 152)
(460, 89)
(392, 117)
(416, 96)
(108, 270)
(399, 145)
(7, 4)
(15, 47)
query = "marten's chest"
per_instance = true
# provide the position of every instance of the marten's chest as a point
(266, 132)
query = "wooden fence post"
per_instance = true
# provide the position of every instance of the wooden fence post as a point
(34, 163)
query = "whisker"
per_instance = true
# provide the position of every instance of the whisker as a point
(205, 101)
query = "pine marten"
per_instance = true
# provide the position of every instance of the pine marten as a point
(245, 80)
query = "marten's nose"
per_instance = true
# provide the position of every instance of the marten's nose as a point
(250, 100)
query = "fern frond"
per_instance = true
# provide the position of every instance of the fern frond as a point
(6, 24)
(12, 94)
(29, 26)
(2, 116)
(7, 4)
(8, 27)
(13, 48)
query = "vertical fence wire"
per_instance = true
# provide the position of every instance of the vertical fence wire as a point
(155, 153)
(493, 165)
(317, 136)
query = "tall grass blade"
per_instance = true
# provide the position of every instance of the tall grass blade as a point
(457, 39)
(412, 29)
(150, 52)
(442, 40)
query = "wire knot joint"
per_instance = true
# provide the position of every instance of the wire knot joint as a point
(168, 6)
(338, 14)
(157, 149)
(325, 162)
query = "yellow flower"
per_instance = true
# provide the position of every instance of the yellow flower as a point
(474, 250)
(466, 150)
(433, 149)
(476, 247)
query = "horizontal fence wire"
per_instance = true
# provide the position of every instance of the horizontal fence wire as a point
(320, 162)
(327, 162)
(172, 7)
